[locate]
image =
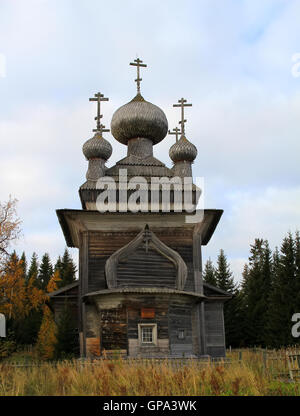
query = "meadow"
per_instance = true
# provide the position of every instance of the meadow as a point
(241, 374)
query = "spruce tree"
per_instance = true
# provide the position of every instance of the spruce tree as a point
(67, 334)
(244, 336)
(67, 269)
(289, 286)
(33, 268)
(223, 274)
(24, 263)
(225, 281)
(256, 292)
(209, 273)
(283, 295)
(45, 272)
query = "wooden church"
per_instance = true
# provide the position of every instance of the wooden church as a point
(140, 290)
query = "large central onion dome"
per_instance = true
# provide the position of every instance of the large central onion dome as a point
(139, 118)
(183, 150)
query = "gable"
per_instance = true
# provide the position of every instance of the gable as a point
(144, 260)
(146, 267)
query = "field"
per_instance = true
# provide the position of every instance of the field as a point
(244, 372)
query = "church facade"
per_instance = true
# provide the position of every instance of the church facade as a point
(140, 290)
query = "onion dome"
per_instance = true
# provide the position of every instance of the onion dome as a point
(139, 118)
(183, 150)
(97, 148)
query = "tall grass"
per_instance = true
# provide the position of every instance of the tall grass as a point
(124, 377)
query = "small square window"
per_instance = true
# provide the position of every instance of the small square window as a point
(147, 334)
(181, 334)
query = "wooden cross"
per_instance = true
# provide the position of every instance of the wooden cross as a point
(138, 63)
(176, 132)
(101, 129)
(182, 104)
(99, 97)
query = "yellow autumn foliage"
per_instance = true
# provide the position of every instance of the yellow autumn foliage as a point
(46, 341)
(52, 285)
(17, 297)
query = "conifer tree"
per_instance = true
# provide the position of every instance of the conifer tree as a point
(256, 292)
(45, 272)
(282, 300)
(58, 265)
(209, 273)
(242, 338)
(225, 281)
(223, 274)
(24, 264)
(20, 302)
(33, 268)
(67, 269)
(67, 334)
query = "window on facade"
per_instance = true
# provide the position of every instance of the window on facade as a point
(181, 334)
(147, 334)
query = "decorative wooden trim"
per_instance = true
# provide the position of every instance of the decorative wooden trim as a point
(154, 242)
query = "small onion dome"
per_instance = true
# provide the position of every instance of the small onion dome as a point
(183, 150)
(139, 118)
(97, 148)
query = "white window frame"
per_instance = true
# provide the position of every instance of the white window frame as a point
(154, 334)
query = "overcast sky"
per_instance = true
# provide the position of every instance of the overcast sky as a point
(233, 59)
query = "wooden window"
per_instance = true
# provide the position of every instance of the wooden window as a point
(181, 334)
(147, 334)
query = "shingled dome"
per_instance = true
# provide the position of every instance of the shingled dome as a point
(183, 150)
(139, 118)
(97, 148)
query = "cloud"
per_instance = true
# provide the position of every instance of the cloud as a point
(44, 241)
(269, 214)
(231, 59)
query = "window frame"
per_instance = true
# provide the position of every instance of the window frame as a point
(154, 334)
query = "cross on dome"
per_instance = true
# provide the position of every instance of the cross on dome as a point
(176, 131)
(182, 104)
(98, 97)
(138, 63)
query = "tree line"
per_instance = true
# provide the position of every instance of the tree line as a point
(259, 313)
(24, 300)
(24, 295)
(263, 303)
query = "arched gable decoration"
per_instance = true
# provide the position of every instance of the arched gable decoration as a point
(150, 239)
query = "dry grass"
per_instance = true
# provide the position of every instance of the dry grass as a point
(139, 378)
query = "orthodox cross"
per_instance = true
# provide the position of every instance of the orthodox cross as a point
(182, 104)
(99, 97)
(138, 63)
(176, 131)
